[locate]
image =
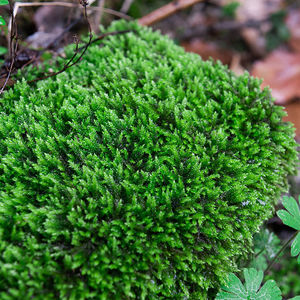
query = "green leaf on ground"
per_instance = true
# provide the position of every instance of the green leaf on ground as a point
(3, 50)
(2, 21)
(291, 217)
(229, 10)
(235, 290)
(3, 2)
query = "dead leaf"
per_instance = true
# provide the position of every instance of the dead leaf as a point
(10, 82)
(48, 18)
(235, 64)
(281, 71)
(293, 23)
(51, 22)
(293, 111)
(207, 50)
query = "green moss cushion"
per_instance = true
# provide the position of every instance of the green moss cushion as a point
(140, 173)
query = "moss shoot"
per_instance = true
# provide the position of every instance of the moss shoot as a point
(140, 173)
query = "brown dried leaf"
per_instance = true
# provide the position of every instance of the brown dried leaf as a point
(235, 64)
(293, 111)
(293, 23)
(207, 50)
(10, 82)
(51, 22)
(281, 71)
(49, 18)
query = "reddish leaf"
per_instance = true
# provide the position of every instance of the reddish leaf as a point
(207, 50)
(293, 111)
(281, 71)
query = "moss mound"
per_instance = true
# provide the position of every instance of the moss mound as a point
(141, 173)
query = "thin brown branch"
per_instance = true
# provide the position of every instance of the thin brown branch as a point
(12, 29)
(73, 60)
(285, 245)
(10, 68)
(13, 44)
(166, 10)
(102, 36)
(67, 4)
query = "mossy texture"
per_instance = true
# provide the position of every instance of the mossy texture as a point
(140, 173)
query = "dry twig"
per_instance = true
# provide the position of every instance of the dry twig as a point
(67, 4)
(73, 60)
(13, 45)
(102, 36)
(149, 19)
(165, 11)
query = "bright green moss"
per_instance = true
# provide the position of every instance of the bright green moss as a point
(141, 173)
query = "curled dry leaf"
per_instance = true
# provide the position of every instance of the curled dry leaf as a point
(293, 23)
(281, 71)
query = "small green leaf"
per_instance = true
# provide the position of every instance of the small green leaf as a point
(230, 9)
(253, 279)
(295, 298)
(269, 291)
(266, 246)
(236, 285)
(3, 50)
(3, 2)
(291, 217)
(2, 21)
(295, 248)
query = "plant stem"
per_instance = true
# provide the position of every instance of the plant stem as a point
(260, 252)
(12, 45)
(280, 251)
